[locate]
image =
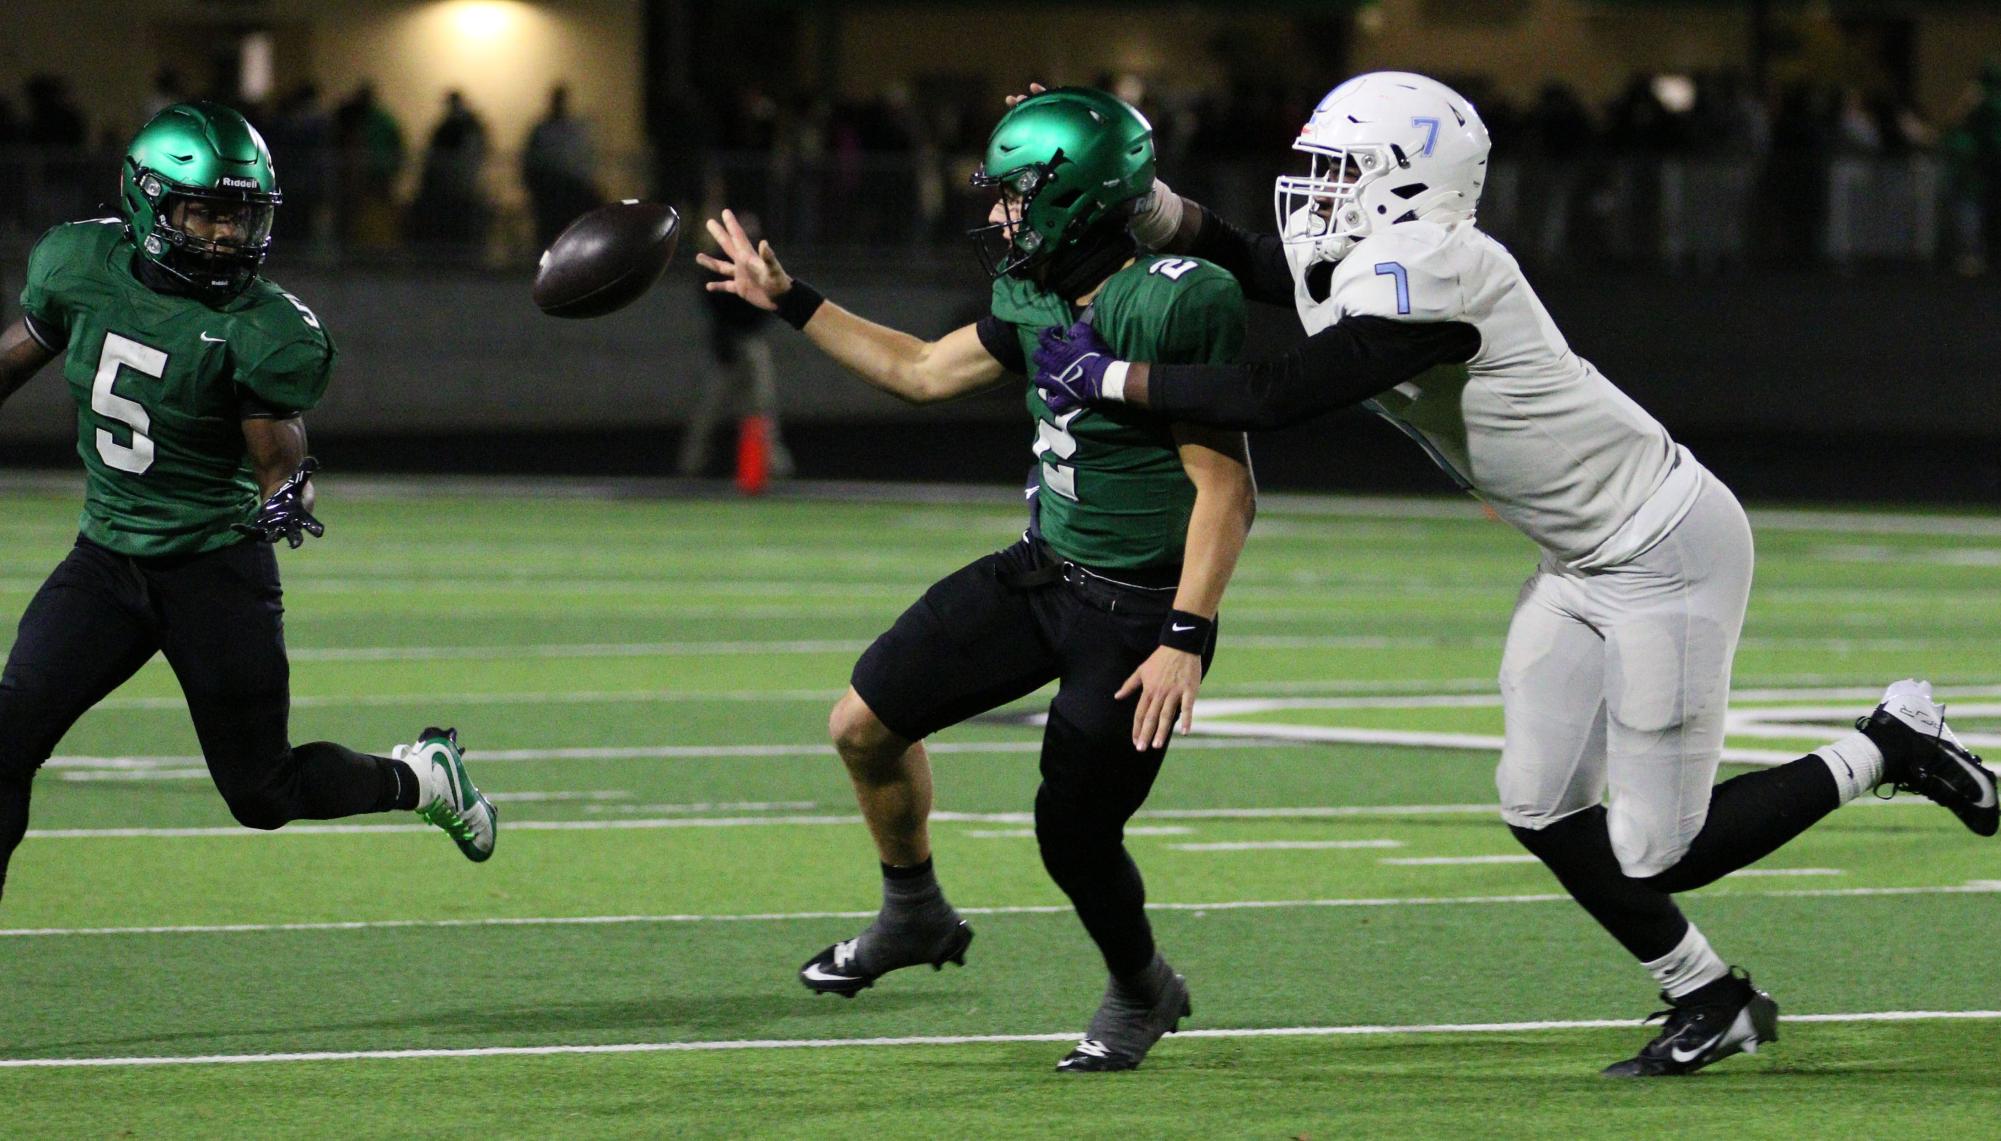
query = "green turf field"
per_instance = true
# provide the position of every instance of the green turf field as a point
(643, 683)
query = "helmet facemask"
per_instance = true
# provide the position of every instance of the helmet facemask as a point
(1011, 245)
(1321, 214)
(214, 241)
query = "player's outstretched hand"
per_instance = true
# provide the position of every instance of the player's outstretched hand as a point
(286, 514)
(1034, 88)
(748, 269)
(1070, 367)
(1166, 683)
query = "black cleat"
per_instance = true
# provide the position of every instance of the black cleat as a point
(1921, 755)
(1121, 1035)
(834, 970)
(1700, 1031)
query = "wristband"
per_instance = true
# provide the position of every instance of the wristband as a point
(1113, 387)
(1159, 217)
(797, 305)
(1185, 631)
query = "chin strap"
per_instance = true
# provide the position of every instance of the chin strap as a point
(1090, 259)
(159, 278)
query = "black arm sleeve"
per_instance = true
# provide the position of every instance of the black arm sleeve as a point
(998, 338)
(250, 406)
(52, 337)
(1257, 261)
(1343, 364)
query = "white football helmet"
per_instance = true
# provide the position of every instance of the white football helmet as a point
(1382, 148)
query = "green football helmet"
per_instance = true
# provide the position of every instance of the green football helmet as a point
(1064, 161)
(200, 167)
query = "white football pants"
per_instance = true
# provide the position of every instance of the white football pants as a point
(1615, 684)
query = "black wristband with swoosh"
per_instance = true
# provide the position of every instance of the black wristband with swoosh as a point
(1188, 632)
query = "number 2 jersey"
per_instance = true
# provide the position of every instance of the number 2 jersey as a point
(1111, 489)
(1531, 427)
(162, 384)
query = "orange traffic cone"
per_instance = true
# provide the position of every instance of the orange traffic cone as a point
(753, 454)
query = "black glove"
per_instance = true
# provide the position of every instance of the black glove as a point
(284, 515)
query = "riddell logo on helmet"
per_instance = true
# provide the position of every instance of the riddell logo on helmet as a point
(240, 183)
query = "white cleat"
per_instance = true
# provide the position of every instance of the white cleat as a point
(448, 798)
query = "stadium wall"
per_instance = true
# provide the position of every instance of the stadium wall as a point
(1746, 352)
(1806, 386)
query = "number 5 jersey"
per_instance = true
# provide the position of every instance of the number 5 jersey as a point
(162, 383)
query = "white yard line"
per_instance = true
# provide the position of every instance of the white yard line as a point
(534, 697)
(847, 646)
(1473, 742)
(1971, 887)
(1285, 845)
(185, 768)
(1755, 873)
(1453, 861)
(1432, 1028)
(1308, 812)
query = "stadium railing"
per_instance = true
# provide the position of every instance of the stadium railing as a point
(1668, 213)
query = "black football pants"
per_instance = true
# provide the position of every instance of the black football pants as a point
(980, 638)
(219, 620)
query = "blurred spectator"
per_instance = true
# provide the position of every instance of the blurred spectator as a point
(559, 168)
(451, 207)
(1793, 194)
(53, 120)
(1973, 158)
(301, 135)
(1740, 119)
(742, 378)
(1556, 138)
(167, 91)
(1855, 130)
(371, 158)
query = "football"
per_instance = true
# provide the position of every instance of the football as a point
(606, 259)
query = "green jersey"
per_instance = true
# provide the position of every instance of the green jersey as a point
(162, 384)
(1113, 493)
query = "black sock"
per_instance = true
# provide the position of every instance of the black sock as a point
(1578, 850)
(909, 871)
(1750, 817)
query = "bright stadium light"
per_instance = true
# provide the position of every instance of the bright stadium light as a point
(484, 19)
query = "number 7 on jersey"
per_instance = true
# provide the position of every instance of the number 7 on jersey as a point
(1395, 270)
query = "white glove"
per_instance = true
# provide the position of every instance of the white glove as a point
(1157, 217)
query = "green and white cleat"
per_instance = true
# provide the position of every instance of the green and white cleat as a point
(448, 798)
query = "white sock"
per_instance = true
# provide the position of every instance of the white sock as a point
(1693, 963)
(1856, 762)
(426, 774)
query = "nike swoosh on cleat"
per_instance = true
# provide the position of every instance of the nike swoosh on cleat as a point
(814, 972)
(1682, 1058)
(1987, 800)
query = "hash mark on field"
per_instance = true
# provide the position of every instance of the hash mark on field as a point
(941, 1040)
(1284, 845)
(730, 806)
(543, 797)
(1453, 861)
(1755, 872)
(1971, 887)
(1029, 833)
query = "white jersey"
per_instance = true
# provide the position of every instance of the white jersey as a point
(1529, 426)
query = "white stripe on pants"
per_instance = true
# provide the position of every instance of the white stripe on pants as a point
(1615, 684)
